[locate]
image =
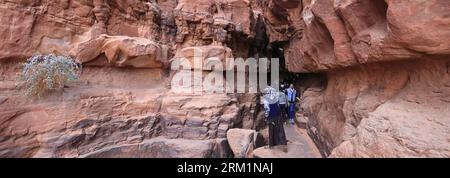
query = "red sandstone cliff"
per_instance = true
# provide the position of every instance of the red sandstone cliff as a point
(382, 87)
(385, 88)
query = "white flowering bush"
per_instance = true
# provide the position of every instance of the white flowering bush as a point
(42, 73)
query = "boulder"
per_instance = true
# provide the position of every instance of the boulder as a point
(242, 142)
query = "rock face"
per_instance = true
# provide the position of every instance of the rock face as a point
(380, 86)
(383, 110)
(165, 148)
(384, 88)
(122, 51)
(410, 118)
(110, 107)
(335, 34)
(123, 105)
(242, 142)
(49, 26)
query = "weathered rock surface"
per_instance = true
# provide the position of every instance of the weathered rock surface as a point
(59, 26)
(122, 51)
(209, 56)
(110, 107)
(165, 148)
(299, 146)
(386, 73)
(123, 99)
(395, 109)
(283, 19)
(242, 142)
(326, 34)
(383, 89)
(229, 23)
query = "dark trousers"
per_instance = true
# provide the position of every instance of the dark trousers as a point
(284, 115)
(277, 136)
(291, 110)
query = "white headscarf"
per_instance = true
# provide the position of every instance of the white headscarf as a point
(271, 95)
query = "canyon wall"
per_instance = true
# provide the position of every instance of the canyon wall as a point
(123, 104)
(376, 75)
(384, 89)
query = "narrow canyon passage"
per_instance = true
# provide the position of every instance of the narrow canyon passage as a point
(299, 145)
(372, 76)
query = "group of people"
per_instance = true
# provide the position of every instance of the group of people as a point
(287, 97)
(279, 108)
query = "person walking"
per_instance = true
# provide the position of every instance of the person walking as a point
(291, 97)
(283, 102)
(277, 135)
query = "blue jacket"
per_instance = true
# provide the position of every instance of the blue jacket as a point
(292, 95)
